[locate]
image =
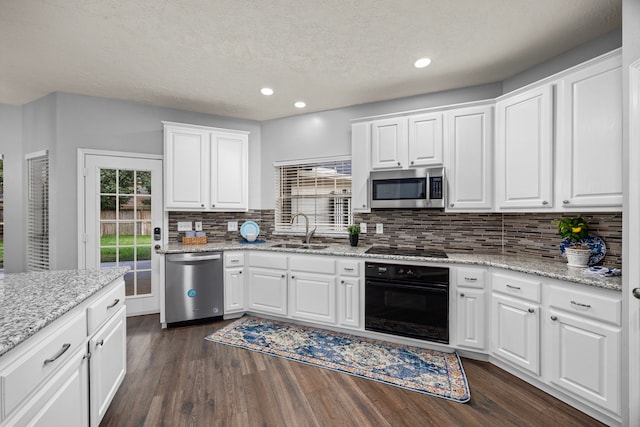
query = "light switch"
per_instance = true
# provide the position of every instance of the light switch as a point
(379, 229)
(363, 227)
(198, 225)
(232, 226)
(185, 226)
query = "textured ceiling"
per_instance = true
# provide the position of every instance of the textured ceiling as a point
(213, 56)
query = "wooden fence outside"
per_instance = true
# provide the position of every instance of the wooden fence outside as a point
(129, 220)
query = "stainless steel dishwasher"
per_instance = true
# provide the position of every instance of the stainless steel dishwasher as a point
(193, 286)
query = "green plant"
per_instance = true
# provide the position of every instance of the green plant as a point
(574, 229)
(353, 229)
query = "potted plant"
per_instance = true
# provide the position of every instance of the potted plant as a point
(575, 230)
(354, 231)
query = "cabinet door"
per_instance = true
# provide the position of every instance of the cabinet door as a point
(360, 166)
(470, 329)
(590, 137)
(313, 297)
(425, 140)
(61, 401)
(349, 302)
(229, 171)
(186, 160)
(233, 290)
(389, 144)
(469, 165)
(515, 332)
(268, 291)
(585, 359)
(524, 169)
(108, 364)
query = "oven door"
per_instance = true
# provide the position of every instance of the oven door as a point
(416, 311)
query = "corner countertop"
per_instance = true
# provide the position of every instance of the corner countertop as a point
(539, 267)
(31, 301)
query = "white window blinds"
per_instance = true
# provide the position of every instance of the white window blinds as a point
(38, 211)
(320, 189)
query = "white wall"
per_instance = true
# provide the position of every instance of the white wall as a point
(11, 148)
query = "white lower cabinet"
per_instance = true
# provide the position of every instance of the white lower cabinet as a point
(515, 332)
(349, 302)
(62, 401)
(268, 291)
(234, 288)
(108, 364)
(470, 322)
(312, 297)
(584, 345)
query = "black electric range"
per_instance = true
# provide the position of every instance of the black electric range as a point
(421, 252)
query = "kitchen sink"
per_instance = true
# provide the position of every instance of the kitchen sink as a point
(299, 246)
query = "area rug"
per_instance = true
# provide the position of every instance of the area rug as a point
(425, 371)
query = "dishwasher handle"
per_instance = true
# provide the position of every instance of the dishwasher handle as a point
(193, 257)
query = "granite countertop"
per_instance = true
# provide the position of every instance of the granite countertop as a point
(31, 301)
(539, 267)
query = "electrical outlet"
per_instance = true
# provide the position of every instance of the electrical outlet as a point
(379, 229)
(363, 227)
(232, 226)
(185, 226)
(198, 225)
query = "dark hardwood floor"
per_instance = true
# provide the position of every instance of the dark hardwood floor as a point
(176, 378)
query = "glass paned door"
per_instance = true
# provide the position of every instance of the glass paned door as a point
(125, 225)
(123, 204)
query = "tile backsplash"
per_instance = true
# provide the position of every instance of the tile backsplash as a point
(530, 234)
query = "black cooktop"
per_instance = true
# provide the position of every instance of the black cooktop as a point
(423, 252)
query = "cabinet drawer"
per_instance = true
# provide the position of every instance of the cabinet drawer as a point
(266, 260)
(105, 307)
(313, 264)
(349, 268)
(233, 259)
(587, 304)
(25, 375)
(517, 286)
(470, 277)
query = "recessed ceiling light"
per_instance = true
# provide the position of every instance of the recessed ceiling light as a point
(266, 91)
(300, 104)
(422, 62)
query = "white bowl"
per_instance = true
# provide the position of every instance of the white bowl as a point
(251, 237)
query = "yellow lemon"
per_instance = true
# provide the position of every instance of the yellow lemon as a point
(576, 229)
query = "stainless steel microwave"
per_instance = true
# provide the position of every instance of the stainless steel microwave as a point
(408, 188)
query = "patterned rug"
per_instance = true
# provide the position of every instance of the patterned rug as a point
(425, 371)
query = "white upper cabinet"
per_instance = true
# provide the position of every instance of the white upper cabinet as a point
(205, 168)
(469, 158)
(389, 143)
(406, 142)
(590, 136)
(360, 165)
(425, 139)
(524, 150)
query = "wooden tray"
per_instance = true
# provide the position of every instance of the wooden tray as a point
(202, 240)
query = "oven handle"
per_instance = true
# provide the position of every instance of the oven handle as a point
(431, 288)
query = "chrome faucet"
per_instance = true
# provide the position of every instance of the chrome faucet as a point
(308, 235)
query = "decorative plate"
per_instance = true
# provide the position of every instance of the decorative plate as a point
(249, 227)
(595, 244)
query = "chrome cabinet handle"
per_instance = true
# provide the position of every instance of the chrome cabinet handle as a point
(398, 163)
(451, 205)
(348, 269)
(580, 304)
(364, 206)
(342, 281)
(513, 287)
(531, 310)
(202, 205)
(282, 276)
(544, 202)
(636, 293)
(554, 318)
(471, 279)
(411, 161)
(240, 272)
(235, 260)
(461, 295)
(565, 202)
(115, 302)
(100, 343)
(64, 348)
(213, 205)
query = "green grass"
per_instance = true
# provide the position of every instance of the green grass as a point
(108, 254)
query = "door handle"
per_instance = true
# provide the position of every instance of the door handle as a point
(636, 293)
